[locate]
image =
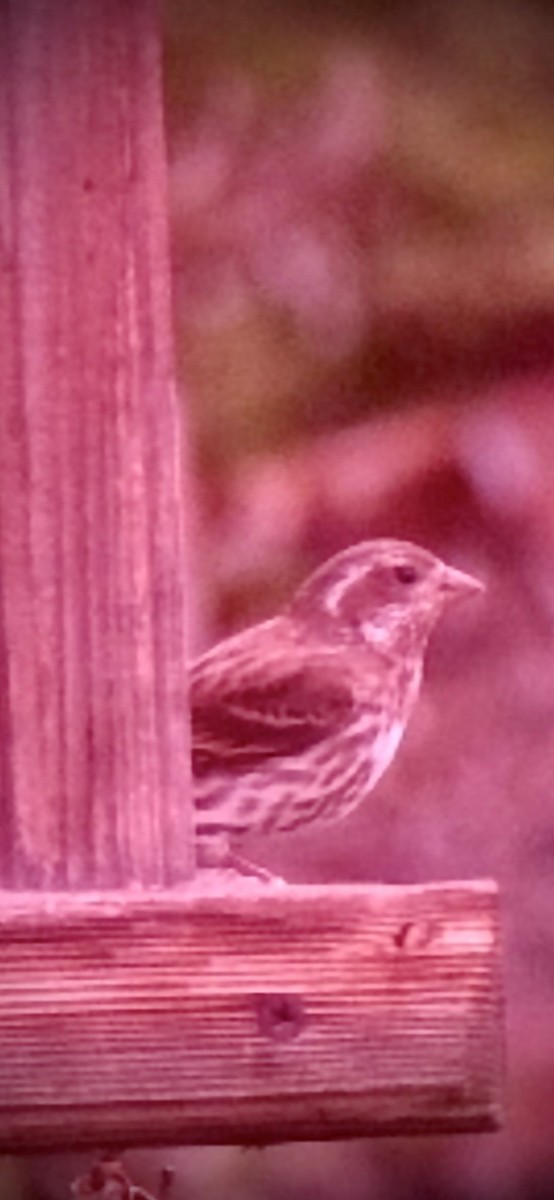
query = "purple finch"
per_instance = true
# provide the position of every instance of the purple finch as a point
(295, 720)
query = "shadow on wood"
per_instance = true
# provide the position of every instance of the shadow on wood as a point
(251, 1015)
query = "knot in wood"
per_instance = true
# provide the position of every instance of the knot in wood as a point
(414, 935)
(280, 1016)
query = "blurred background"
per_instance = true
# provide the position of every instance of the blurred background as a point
(362, 215)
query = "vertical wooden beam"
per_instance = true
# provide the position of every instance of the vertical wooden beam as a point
(93, 733)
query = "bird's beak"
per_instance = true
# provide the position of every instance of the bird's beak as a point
(455, 585)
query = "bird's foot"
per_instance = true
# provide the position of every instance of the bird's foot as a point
(244, 867)
(219, 857)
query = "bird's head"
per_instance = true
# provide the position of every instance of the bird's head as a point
(384, 593)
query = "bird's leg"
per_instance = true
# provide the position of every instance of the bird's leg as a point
(244, 867)
(217, 854)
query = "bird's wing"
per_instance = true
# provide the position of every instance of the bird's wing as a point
(271, 707)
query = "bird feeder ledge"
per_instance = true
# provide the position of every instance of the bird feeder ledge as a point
(252, 1015)
(138, 1006)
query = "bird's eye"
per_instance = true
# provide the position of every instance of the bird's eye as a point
(405, 573)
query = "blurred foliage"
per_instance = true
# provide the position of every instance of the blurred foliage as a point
(362, 207)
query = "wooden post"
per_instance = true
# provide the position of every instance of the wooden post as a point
(93, 721)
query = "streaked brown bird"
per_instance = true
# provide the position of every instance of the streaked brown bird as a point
(295, 720)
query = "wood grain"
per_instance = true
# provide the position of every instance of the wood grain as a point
(93, 721)
(248, 1015)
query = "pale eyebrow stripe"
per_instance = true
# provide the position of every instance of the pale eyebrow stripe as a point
(336, 593)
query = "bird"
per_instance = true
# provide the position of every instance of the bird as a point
(295, 719)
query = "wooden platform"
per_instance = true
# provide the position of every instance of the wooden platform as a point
(251, 1015)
